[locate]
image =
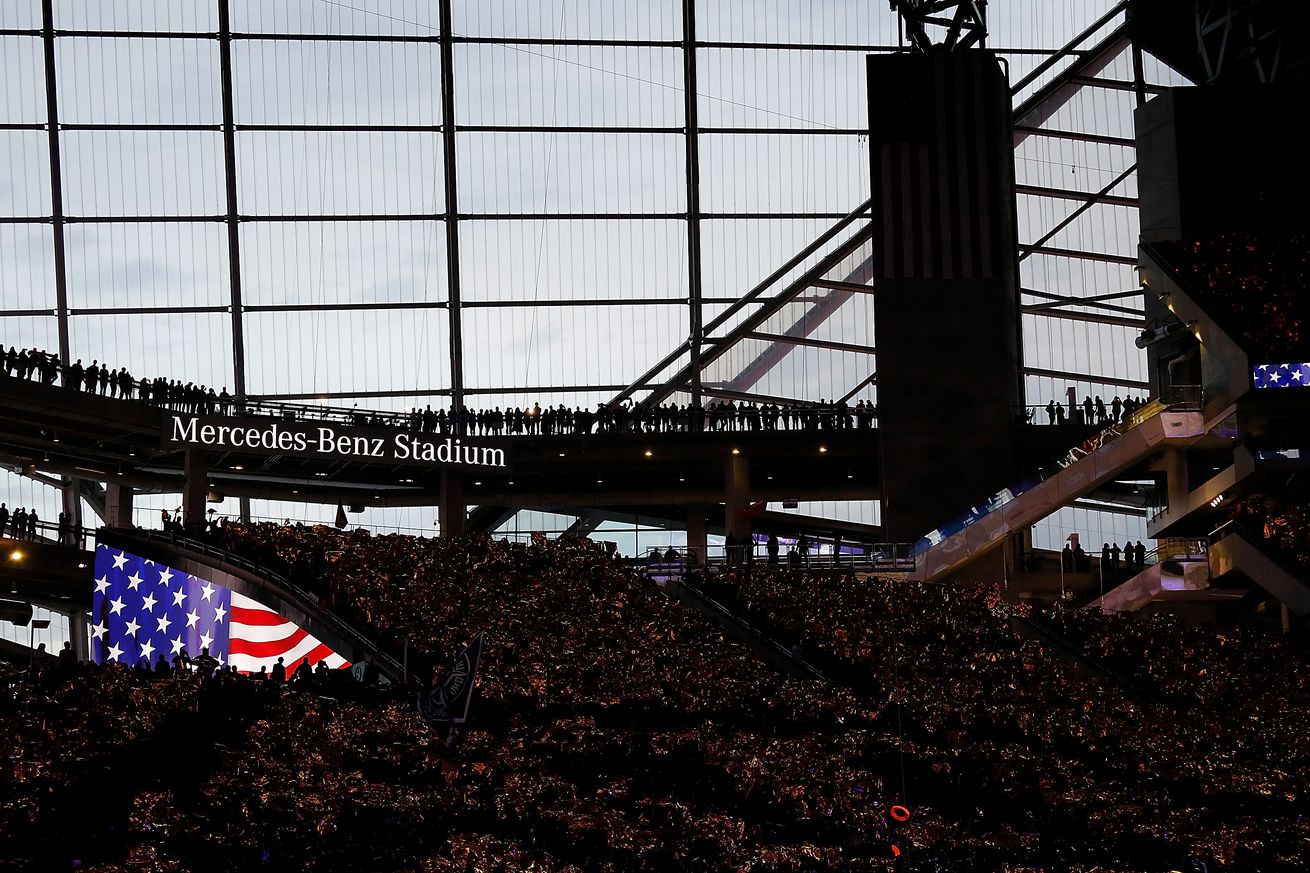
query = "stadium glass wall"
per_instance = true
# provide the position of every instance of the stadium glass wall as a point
(513, 200)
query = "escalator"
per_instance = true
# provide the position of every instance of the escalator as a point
(1233, 549)
(987, 532)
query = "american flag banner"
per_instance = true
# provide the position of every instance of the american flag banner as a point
(1281, 376)
(143, 610)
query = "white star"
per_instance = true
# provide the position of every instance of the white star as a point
(163, 623)
(148, 603)
(221, 662)
(132, 628)
(176, 644)
(191, 618)
(102, 585)
(208, 589)
(149, 563)
(115, 653)
(133, 581)
(178, 596)
(116, 606)
(219, 612)
(1297, 375)
(205, 641)
(99, 630)
(1263, 367)
(147, 649)
(1274, 377)
(119, 561)
(164, 576)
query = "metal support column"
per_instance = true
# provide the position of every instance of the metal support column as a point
(56, 177)
(70, 487)
(449, 142)
(233, 232)
(689, 82)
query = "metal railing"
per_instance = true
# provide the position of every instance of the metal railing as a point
(879, 556)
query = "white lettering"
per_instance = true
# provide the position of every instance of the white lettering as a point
(184, 433)
(207, 434)
(429, 452)
(402, 448)
(238, 436)
(302, 442)
(284, 441)
(325, 440)
(443, 452)
(493, 457)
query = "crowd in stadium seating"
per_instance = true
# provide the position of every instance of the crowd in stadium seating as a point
(614, 729)
(1254, 286)
(716, 415)
(1283, 523)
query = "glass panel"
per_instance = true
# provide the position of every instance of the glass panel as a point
(27, 266)
(116, 173)
(138, 81)
(569, 85)
(164, 15)
(322, 262)
(328, 83)
(792, 89)
(340, 173)
(321, 352)
(402, 17)
(574, 19)
(556, 172)
(22, 65)
(756, 173)
(189, 347)
(576, 345)
(572, 260)
(25, 184)
(154, 264)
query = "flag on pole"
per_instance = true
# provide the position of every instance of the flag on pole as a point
(447, 704)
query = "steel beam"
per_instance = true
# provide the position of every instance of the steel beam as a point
(449, 157)
(56, 177)
(233, 226)
(691, 113)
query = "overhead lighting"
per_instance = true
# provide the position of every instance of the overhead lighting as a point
(648, 453)
(736, 451)
(511, 481)
(1218, 500)
(237, 467)
(15, 555)
(561, 454)
(81, 566)
(823, 450)
(408, 481)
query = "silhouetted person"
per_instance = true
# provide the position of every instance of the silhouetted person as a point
(1066, 558)
(1139, 555)
(772, 548)
(1114, 556)
(803, 546)
(1050, 412)
(1105, 556)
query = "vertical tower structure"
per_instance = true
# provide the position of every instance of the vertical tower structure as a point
(945, 272)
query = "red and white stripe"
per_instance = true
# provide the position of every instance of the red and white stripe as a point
(258, 636)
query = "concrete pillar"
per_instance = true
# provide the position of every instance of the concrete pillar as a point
(77, 633)
(1178, 488)
(452, 512)
(737, 490)
(118, 505)
(72, 499)
(195, 487)
(697, 539)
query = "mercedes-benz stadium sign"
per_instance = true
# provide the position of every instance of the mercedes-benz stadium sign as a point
(329, 440)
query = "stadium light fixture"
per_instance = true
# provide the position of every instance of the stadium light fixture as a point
(736, 451)
(648, 453)
(16, 555)
(823, 450)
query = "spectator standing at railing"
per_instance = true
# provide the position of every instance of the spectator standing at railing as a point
(63, 529)
(1139, 556)
(4, 518)
(1089, 410)
(1116, 408)
(18, 523)
(1100, 410)
(31, 524)
(1050, 412)
(1114, 556)
(772, 548)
